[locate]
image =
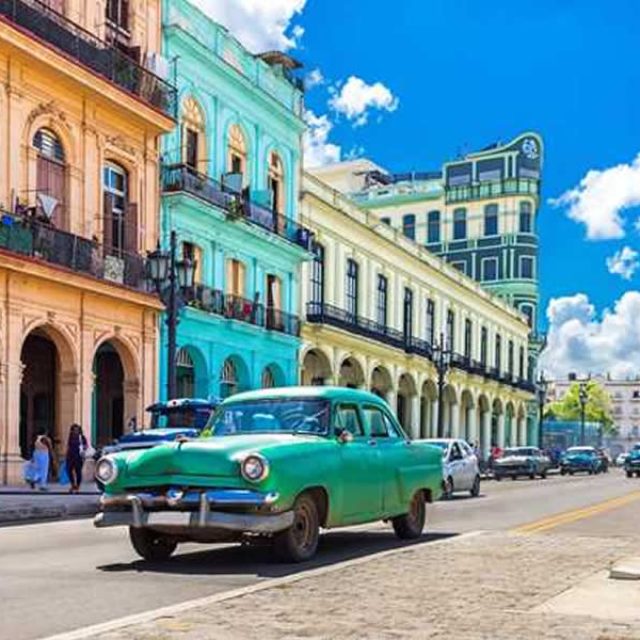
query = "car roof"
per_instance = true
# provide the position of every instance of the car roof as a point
(327, 393)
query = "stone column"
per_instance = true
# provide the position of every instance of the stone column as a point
(501, 442)
(11, 459)
(472, 430)
(485, 436)
(414, 415)
(433, 414)
(454, 417)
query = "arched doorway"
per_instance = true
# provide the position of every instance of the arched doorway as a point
(185, 374)
(38, 390)
(351, 374)
(233, 377)
(428, 410)
(406, 394)
(316, 368)
(381, 382)
(109, 395)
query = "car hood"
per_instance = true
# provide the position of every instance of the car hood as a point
(216, 456)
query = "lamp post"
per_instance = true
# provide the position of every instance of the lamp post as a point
(169, 277)
(583, 397)
(542, 397)
(442, 361)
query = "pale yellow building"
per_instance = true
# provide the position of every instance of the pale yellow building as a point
(377, 306)
(81, 112)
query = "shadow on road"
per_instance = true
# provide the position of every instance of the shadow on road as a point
(335, 547)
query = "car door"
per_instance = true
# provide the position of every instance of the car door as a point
(360, 486)
(394, 457)
(456, 467)
(469, 464)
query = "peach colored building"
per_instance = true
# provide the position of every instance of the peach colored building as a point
(81, 113)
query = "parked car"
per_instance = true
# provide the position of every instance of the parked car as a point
(181, 417)
(275, 464)
(620, 460)
(459, 467)
(632, 462)
(580, 459)
(521, 461)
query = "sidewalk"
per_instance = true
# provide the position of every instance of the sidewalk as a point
(21, 504)
(493, 586)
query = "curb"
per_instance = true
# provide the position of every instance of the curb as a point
(25, 513)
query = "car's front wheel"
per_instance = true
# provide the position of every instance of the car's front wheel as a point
(151, 545)
(299, 542)
(410, 525)
(629, 474)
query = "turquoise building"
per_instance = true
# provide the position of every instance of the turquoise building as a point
(231, 172)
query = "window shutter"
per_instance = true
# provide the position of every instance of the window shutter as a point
(131, 228)
(107, 221)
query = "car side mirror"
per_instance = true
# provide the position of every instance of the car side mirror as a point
(344, 436)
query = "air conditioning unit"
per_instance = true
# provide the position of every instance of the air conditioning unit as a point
(158, 64)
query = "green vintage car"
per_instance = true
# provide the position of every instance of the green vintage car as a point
(274, 464)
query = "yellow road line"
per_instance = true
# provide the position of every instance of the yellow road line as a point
(567, 517)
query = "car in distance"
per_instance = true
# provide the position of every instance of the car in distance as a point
(620, 460)
(459, 466)
(632, 462)
(274, 465)
(180, 417)
(580, 459)
(521, 461)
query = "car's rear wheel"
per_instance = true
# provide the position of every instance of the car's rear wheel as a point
(543, 475)
(151, 545)
(475, 489)
(299, 542)
(563, 472)
(629, 474)
(514, 477)
(410, 525)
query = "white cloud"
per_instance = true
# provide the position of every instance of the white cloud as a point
(581, 342)
(318, 151)
(314, 79)
(624, 263)
(355, 99)
(260, 25)
(601, 197)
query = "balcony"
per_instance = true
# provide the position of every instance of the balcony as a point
(25, 236)
(482, 190)
(182, 178)
(242, 309)
(98, 56)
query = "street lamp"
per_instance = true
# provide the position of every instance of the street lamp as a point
(583, 397)
(442, 361)
(169, 277)
(542, 397)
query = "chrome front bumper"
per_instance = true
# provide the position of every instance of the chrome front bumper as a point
(193, 509)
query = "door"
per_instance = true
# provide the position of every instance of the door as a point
(360, 484)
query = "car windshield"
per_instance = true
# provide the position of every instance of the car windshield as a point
(281, 415)
(179, 417)
(518, 452)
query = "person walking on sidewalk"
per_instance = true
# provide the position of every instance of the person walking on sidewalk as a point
(42, 455)
(77, 448)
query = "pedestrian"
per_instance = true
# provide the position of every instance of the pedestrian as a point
(42, 461)
(77, 452)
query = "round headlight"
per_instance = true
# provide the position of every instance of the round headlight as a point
(106, 470)
(254, 468)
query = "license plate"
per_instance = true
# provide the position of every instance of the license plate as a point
(176, 518)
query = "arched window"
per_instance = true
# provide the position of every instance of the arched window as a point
(185, 374)
(409, 226)
(237, 153)
(276, 183)
(268, 378)
(120, 216)
(229, 378)
(193, 136)
(51, 177)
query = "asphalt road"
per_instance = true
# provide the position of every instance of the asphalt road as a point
(62, 576)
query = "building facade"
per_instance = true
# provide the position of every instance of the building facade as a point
(231, 180)
(376, 306)
(81, 115)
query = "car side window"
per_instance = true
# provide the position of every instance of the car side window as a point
(347, 417)
(466, 449)
(455, 452)
(392, 429)
(374, 419)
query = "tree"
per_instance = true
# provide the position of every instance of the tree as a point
(597, 408)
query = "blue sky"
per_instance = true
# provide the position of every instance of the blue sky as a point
(433, 78)
(467, 73)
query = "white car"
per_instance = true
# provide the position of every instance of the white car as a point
(459, 466)
(621, 459)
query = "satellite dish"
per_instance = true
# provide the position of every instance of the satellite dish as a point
(48, 204)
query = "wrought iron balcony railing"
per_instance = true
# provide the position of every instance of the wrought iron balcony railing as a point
(181, 177)
(479, 191)
(102, 58)
(238, 308)
(27, 236)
